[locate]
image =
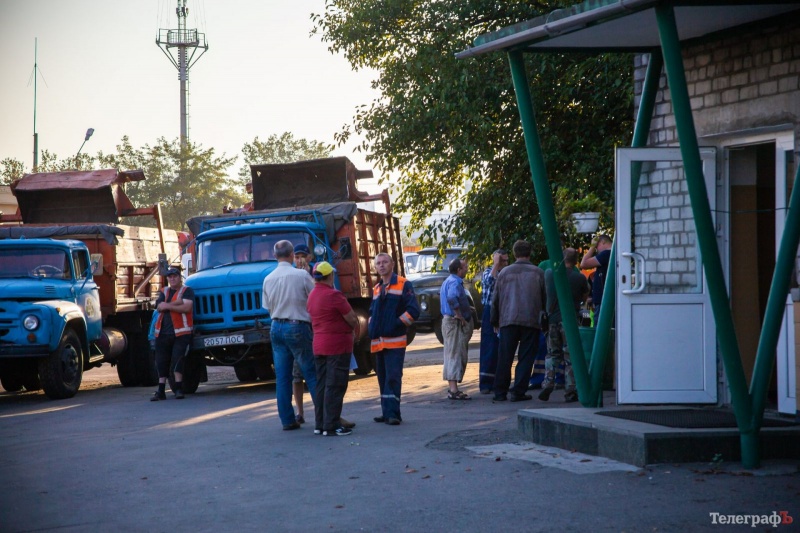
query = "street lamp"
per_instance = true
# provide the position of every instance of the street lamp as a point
(89, 133)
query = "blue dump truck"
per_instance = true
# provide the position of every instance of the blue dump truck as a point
(76, 288)
(314, 202)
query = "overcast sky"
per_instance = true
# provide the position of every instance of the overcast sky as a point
(100, 67)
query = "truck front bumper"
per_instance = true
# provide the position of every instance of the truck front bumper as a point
(24, 350)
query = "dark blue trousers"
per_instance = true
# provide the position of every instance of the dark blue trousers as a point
(489, 347)
(389, 369)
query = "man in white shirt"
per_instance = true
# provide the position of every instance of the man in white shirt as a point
(285, 294)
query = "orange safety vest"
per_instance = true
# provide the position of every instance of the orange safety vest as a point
(400, 341)
(181, 322)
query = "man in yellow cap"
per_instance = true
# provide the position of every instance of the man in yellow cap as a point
(333, 322)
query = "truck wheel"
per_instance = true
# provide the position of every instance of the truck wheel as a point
(61, 371)
(364, 358)
(144, 359)
(11, 381)
(437, 328)
(192, 372)
(245, 371)
(126, 369)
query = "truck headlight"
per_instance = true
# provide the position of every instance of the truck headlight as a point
(319, 250)
(30, 322)
(423, 305)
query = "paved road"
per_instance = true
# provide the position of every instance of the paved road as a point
(110, 460)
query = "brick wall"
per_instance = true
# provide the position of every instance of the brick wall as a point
(748, 80)
(742, 82)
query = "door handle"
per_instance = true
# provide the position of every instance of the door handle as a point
(638, 275)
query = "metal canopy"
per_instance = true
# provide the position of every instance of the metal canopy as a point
(624, 25)
(658, 27)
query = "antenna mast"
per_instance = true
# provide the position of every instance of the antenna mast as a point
(35, 135)
(187, 43)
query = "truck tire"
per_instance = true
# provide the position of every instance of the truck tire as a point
(144, 359)
(192, 373)
(437, 328)
(126, 369)
(61, 371)
(245, 371)
(364, 358)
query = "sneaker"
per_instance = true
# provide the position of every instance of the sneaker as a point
(393, 421)
(338, 432)
(346, 423)
(289, 427)
(300, 419)
(545, 394)
(317, 431)
(380, 419)
(571, 396)
(158, 396)
(179, 395)
(500, 398)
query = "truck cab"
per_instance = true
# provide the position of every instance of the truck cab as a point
(49, 314)
(315, 203)
(231, 326)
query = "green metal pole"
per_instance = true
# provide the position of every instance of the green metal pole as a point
(544, 199)
(776, 304)
(712, 265)
(640, 134)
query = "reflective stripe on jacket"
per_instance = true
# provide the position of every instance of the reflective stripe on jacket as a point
(182, 323)
(394, 307)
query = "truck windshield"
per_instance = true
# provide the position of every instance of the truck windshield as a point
(250, 248)
(426, 263)
(37, 262)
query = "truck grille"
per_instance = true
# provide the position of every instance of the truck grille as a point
(228, 309)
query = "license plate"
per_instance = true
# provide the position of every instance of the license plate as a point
(223, 340)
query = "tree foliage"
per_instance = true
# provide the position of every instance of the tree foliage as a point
(442, 123)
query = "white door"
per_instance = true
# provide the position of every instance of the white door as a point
(787, 390)
(666, 336)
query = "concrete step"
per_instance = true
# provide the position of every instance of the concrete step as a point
(639, 443)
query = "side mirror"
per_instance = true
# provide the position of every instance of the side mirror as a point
(187, 264)
(96, 263)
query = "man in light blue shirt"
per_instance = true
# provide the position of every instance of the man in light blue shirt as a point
(456, 327)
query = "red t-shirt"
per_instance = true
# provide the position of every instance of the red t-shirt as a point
(332, 334)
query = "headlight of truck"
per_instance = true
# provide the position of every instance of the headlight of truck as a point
(30, 322)
(319, 250)
(423, 305)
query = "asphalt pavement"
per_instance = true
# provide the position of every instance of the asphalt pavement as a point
(110, 460)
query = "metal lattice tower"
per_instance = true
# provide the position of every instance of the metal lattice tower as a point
(187, 43)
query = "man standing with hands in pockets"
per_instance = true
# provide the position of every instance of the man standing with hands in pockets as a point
(456, 327)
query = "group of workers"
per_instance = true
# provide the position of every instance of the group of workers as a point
(314, 329)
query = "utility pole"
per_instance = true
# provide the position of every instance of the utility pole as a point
(35, 135)
(187, 43)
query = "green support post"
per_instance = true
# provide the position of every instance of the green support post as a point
(544, 199)
(712, 265)
(776, 303)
